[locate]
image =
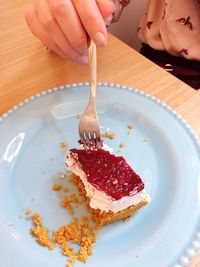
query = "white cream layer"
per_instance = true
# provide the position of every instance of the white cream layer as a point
(98, 199)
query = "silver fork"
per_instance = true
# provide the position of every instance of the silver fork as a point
(89, 130)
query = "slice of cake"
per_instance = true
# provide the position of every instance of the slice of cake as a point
(112, 189)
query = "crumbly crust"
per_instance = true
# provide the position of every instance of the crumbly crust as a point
(102, 217)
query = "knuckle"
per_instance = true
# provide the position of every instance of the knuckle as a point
(58, 6)
(47, 22)
(90, 19)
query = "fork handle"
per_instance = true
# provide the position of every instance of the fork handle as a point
(93, 71)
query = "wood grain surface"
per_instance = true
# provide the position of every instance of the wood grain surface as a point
(26, 68)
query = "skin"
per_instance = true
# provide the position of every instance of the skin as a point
(64, 25)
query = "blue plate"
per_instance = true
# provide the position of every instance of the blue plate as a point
(160, 147)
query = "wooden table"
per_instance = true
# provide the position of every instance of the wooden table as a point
(27, 68)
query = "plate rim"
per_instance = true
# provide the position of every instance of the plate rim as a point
(193, 248)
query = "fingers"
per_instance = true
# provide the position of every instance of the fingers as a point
(92, 20)
(68, 20)
(37, 30)
(106, 8)
(64, 25)
(49, 23)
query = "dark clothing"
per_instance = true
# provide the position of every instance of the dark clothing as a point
(186, 70)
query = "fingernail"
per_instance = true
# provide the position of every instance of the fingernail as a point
(82, 59)
(109, 20)
(99, 39)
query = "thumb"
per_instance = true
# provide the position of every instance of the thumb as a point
(106, 7)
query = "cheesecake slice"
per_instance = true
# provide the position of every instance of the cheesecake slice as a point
(113, 190)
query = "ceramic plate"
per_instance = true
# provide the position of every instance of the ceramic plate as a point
(160, 147)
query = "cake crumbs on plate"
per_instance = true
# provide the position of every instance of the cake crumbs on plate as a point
(62, 175)
(108, 135)
(65, 203)
(80, 232)
(65, 189)
(71, 261)
(41, 233)
(122, 145)
(78, 116)
(73, 198)
(68, 201)
(129, 132)
(56, 187)
(130, 126)
(63, 144)
(27, 211)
